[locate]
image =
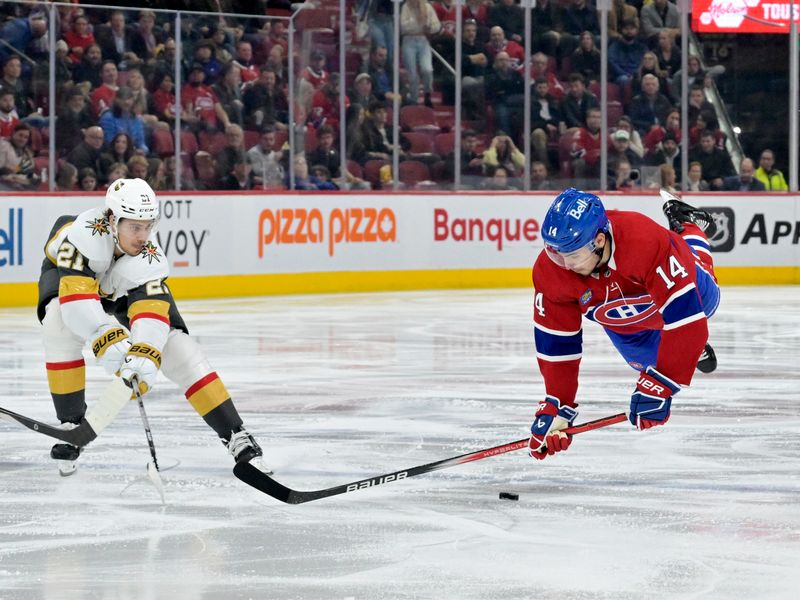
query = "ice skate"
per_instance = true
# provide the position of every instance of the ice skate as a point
(244, 448)
(678, 213)
(66, 456)
(708, 360)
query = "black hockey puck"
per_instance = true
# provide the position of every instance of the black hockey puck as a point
(508, 496)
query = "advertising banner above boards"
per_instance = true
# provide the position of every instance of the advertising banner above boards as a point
(399, 235)
(743, 16)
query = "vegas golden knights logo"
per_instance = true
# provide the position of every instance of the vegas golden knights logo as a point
(98, 226)
(150, 253)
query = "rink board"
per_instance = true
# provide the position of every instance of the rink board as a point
(258, 244)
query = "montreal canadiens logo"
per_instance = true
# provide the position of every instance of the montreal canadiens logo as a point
(624, 311)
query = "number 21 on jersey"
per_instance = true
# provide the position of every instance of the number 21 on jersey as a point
(675, 269)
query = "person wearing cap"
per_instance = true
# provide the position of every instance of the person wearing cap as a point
(122, 119)
(202, 107)
(361, 94)
(325, 105)
(668, 152)
(315, 73)
(621, 150)
(649, 108)
(204, 55)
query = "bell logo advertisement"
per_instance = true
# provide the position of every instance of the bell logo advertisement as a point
(284, 226)
(181, 243)
(11, 238)
(743, 16)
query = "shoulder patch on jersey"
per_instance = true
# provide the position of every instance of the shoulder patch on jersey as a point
(586, 296)
(150, 253)
(98, 226)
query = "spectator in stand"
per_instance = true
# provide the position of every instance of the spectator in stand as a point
(707, 119)
(695, 181)
(716, 163)
(66, 177)
(87, 180)
(322, 174)
(229, 92)
(142, 101)
(163, 99)
(17, 169)
(116, 41)
(649, 66)
(119, 150)
(745, 181)
(668, 178)
(375, 140)
(240, 175)
(380, 71)
(418, 22)
(266, 161)
(170, 175)
(540, 67)
(21, 33)
(121, 118)
(315, 73)
(11, 81)
(63, 70)
(510, 17)
(325, 154)
(497, 180)
(156, 174)
(380, 16)
(88, 70)
(276, 61)
(325, 105)
(697, 76)
(444, 41)
(546, 27)
(586, 146)
(576, 18)
(624, 178)
(72, 120)
(116, 171)
(545, 120)
(361, 93)
(471, 159)
(586, 58)
(234, 145)
(539, 179)
(499, 44)
(138, 166)
(79, 38)
(658, 16)
(505, 91)
(672, 124)
(8, 114)
(772, 178)
(667, 152)
(625, 54)
(165, 59)
(223, 49)
(577, 102)
(204, 56)
(624, 123)
(203, 110)
(146, 38)
(669, 56)
(473, 70)
(265, 103)
(102, 98)
(621, 150)
(698, 103)
(478, 11)
(302, 180)
(620, 12)
(87, 153)
(503, 153)
(244, 60)
(649, 108)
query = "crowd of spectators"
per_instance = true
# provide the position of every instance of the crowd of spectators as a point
(116, 99)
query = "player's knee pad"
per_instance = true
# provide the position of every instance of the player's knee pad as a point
(183, 360)
(60, 343)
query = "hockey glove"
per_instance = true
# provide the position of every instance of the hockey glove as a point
(651, 401)
(110, 345)
(546, 435)
(142, 362)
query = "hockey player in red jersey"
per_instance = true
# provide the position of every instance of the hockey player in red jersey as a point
(103, 281)
(650, 288)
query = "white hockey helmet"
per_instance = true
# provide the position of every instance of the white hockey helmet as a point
(133, 199)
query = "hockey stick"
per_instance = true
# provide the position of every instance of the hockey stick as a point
(263, 482)
(152, 466)
(97, 418)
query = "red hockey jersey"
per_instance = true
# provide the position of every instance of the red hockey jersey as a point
(650, 282)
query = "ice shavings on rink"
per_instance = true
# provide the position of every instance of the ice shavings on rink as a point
(341, 387)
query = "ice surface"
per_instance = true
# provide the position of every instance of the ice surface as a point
(341, 387)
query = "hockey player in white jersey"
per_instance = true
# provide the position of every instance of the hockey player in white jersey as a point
(103, 281)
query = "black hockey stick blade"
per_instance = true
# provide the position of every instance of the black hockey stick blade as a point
(264, 483)
(78, 436)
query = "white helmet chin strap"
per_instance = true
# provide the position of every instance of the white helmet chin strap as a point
(115, 233)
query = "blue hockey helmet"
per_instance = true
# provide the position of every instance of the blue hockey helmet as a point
(573, 221)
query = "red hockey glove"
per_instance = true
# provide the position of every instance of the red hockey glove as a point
(546, 435)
